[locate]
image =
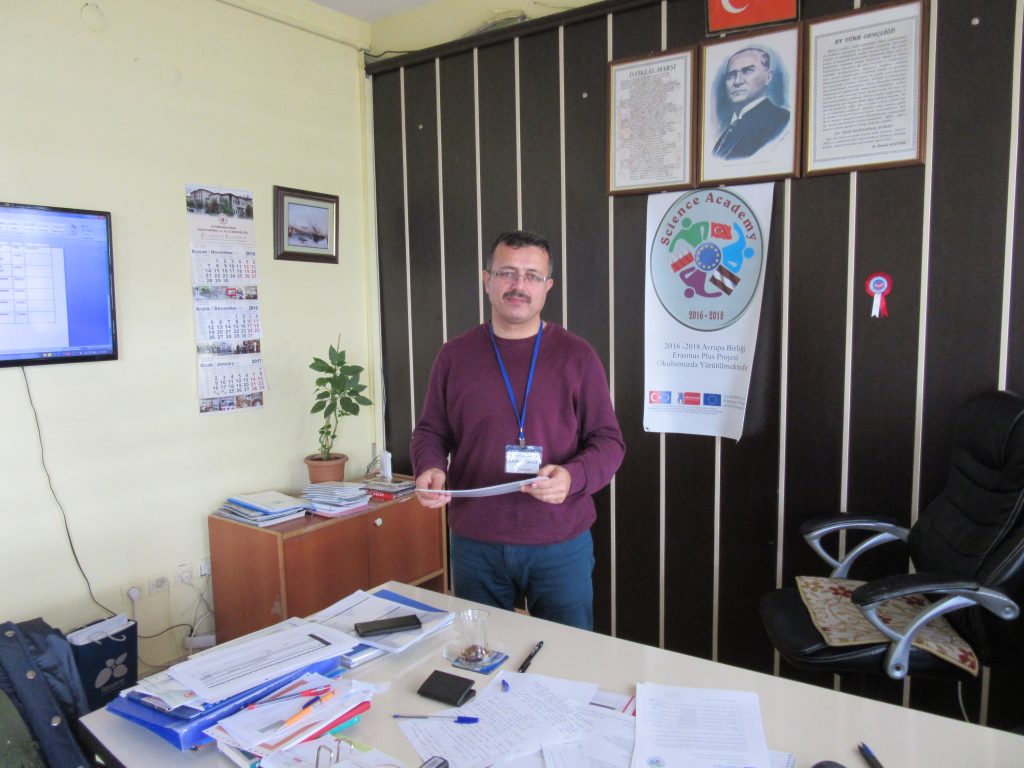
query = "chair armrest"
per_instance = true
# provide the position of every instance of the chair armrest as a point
(815, 530)
(905, 584)
(958, 593)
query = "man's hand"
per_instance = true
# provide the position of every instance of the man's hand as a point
(433, 480)
(554, 489)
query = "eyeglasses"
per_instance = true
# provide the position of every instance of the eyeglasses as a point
(514, 275)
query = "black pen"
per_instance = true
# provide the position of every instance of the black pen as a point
(536, 649)
(869, 756)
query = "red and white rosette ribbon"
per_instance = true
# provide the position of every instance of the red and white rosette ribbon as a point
(878, 286)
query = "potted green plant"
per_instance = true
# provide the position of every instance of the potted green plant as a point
(337, 393)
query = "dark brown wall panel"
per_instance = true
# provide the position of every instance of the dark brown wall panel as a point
(885, 352)
(586, 188)
(540, 141)
(749, 481)
(1015, 351)
(689, 475)
(817, 320)
(458, 168)
(969, 182)
(969, 186)
(883, 385)
(686, 23)
(814, 392)
(497, 84)
(962, 318)
(425, 265)
(394, 321)
(638, 514)
(586, 277)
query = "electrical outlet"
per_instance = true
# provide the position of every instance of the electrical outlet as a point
(204, 567)
(200, 641)
(183, 575)
(157, 585)
(137, 584)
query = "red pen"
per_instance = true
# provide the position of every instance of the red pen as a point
(308, 692)
(358, 709)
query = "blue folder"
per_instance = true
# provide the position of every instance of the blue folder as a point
(387, 594)
(186, 734)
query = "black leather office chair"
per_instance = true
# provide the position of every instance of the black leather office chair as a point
(967, 548)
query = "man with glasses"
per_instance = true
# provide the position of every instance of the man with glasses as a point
(512, 399)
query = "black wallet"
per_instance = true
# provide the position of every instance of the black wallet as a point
(447, 688)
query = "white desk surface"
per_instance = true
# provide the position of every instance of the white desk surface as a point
(813, 723)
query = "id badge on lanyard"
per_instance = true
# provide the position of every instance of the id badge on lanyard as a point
(521, 459)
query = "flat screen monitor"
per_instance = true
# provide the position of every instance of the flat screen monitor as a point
(56, 286)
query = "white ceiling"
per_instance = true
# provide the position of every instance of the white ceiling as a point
(372, 10)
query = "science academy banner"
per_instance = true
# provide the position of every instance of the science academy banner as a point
(706, 252)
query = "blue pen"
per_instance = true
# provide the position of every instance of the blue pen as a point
(308, 692)
(869, 756)
(458, 719)
(504, 686)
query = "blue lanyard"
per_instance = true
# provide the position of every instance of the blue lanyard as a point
(520, 419)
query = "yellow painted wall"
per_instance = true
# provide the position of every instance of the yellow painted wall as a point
(119, 111)
(121, 119)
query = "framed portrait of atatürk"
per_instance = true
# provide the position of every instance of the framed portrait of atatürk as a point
(866, 89)
(750, 123)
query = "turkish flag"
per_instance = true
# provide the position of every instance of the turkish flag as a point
(733, 14)
(721, 231)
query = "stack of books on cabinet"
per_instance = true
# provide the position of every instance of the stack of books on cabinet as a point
(386, 488)
(336, 498)
(263, 508)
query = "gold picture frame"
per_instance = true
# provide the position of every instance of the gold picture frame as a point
(877, 119)
(305, 226)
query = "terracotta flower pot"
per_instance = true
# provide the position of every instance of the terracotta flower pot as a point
(321, 471)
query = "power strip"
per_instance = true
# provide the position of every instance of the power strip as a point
(200, 641)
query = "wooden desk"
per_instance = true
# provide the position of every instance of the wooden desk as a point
(264, 575)
(814, 723)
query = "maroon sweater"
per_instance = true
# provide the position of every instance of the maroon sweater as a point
(468, 416)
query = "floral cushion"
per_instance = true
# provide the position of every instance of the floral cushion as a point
(841, 622)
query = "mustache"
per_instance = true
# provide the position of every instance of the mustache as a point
(514, 294)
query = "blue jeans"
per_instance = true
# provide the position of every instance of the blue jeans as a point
(554, 578)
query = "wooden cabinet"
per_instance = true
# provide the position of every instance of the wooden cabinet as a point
(264, 575)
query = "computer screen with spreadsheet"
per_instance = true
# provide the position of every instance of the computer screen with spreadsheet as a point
(56, 285)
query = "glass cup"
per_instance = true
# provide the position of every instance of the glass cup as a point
(473, 628)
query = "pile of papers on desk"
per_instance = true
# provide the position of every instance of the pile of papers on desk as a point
(336, 498)
(288, 717)
(180, 704)
(527, 720)
(262, 509)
